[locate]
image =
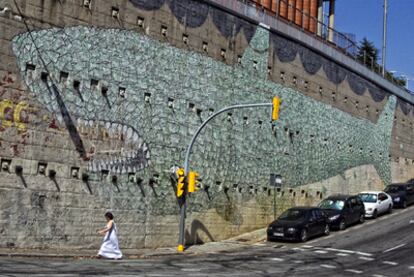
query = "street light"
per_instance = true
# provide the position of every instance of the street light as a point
(276, 182)
(384, 38)
(275, 104)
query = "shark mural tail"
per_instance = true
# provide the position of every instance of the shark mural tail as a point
(382, 137)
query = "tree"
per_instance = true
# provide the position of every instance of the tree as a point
(398, 80)
(367, 53)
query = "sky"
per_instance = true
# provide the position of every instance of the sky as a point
(364, 18)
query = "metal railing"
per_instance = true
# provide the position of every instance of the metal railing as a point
(339, 40)
(323, 32)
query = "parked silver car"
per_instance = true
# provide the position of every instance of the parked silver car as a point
(376, 202)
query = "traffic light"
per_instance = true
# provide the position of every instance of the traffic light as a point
(192, 181)
(276, 108)
(180, 182)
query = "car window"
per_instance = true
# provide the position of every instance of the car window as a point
(293, 214)
(332, 204)
(382, 197)
(368, 197)
(394, 188)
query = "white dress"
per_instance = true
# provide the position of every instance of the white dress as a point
(110, 246)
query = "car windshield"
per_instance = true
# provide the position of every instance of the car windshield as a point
(368, 197)
(331, 204)
(293, 214)
(394, 189)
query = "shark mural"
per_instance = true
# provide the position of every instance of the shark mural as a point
(146, 90)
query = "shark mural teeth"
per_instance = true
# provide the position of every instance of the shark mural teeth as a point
(135, 155)
(312, 141)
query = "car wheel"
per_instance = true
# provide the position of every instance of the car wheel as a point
(362, 218)
(404, 204)
(375, 214)
(389, 209)
(303, 235)
(342, 225)
(326, 232)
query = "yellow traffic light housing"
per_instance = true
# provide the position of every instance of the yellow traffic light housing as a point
(275, 108)
(180, 182)
(192, 181)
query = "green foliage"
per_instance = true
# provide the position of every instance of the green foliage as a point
(398, 80)
(368, 53)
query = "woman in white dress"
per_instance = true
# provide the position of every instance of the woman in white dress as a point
(110, 246)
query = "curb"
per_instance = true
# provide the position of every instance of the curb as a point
(240, 241)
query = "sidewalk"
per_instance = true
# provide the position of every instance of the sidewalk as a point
(238, 242)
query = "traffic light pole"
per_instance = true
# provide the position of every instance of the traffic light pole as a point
(183, 204)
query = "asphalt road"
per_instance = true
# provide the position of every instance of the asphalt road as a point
(378, 248)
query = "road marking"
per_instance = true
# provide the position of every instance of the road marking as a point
(393, 248)
(411, 267)
(320, 251)
(411, 221)
(341, 250)
(389, 263)
(342, 254)
(364, 254)
(298, 262)
(298, 249)
(307, 246)
(366, 258)
(277, 259)
(354, 271)
(378, 275)
(350, 252)
(328, 266)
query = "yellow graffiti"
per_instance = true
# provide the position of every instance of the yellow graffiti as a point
(4, 105)
(22, 106)
(7, 107)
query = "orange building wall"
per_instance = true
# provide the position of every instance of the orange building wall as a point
(303, 13)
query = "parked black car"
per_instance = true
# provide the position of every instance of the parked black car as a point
(299, 223)
(402, 194)
(343, 210)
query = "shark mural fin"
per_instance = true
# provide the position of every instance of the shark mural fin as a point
(383, 138)
(255, 57)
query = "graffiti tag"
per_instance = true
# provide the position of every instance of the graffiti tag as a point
(13, 114)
